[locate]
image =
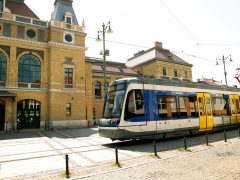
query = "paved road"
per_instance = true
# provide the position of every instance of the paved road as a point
(41, 155)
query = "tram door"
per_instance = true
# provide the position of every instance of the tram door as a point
(205, 111)
(235, 109)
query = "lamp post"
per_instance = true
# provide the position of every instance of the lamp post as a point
(224, 59)
(105, 29)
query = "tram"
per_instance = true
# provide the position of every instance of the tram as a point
(143, 108)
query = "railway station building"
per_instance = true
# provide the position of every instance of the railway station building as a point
(160, 63)
(45, 78)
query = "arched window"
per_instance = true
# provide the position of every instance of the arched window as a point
(98, 90)
(3, 67)
(29, 69)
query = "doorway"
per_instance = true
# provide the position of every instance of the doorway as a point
(28, 114)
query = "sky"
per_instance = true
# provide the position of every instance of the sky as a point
(198, 31)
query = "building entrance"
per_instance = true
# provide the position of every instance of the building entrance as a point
(2, 115)
(28, 114)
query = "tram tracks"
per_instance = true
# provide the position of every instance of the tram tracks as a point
(58, 147)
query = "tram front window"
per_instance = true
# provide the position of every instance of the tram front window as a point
(113, 104)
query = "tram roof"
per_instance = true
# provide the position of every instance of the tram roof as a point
(179, 83)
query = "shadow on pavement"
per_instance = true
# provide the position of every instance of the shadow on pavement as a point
(172, 143)
(36, 133)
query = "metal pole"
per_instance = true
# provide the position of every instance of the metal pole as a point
(206, 138)
(104, 60)
(225, 135)
(67, 167)
(155, 148)
(185, 143)
(239, 130)
(225, 72)
(238, 127)
(116, 154)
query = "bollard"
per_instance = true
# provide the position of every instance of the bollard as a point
(238, 127)
(239, 130)
(185, 143)
(67, 167)
(116, 154)
(225, 135)
(18, 126)
(206, 138)
(155, 148)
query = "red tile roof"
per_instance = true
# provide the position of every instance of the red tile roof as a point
(128, 71)
(97, 68)
(112, 69)
(20, 9)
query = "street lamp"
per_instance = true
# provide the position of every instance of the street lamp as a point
(105, 29)
(224, 59)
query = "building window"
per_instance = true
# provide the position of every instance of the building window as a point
(68, 109)
(68, 76)
(1, 5)
(68, 37)
(164, 71)
(29, 69)
(20, 32)
(69, 20)
(185, 74)
(7, 30)
(98, 90)
(31, 33)
(3, 67)
(175, 73)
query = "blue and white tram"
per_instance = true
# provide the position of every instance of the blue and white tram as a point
(139, 108)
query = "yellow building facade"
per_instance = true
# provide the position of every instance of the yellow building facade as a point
(45, 79)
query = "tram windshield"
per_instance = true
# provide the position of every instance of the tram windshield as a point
(114, 101)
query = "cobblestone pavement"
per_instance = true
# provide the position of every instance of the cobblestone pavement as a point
(219, 160)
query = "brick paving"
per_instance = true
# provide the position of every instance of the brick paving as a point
(219, 161)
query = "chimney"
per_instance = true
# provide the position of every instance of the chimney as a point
(158, 44)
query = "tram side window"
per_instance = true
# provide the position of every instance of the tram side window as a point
(183, 106)
(193, 106)
(219, 106)
(173, 104)
(167, 106)
(233, 109)
(201, 106)
(139, 101)
(134, 104)
(208, 106)
(237, 106)
(162, 106)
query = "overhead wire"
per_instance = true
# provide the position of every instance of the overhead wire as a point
(175, 17)
(176, 52)
(122, 43)
(202, 58)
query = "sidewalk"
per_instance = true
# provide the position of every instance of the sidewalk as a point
(219, 160)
